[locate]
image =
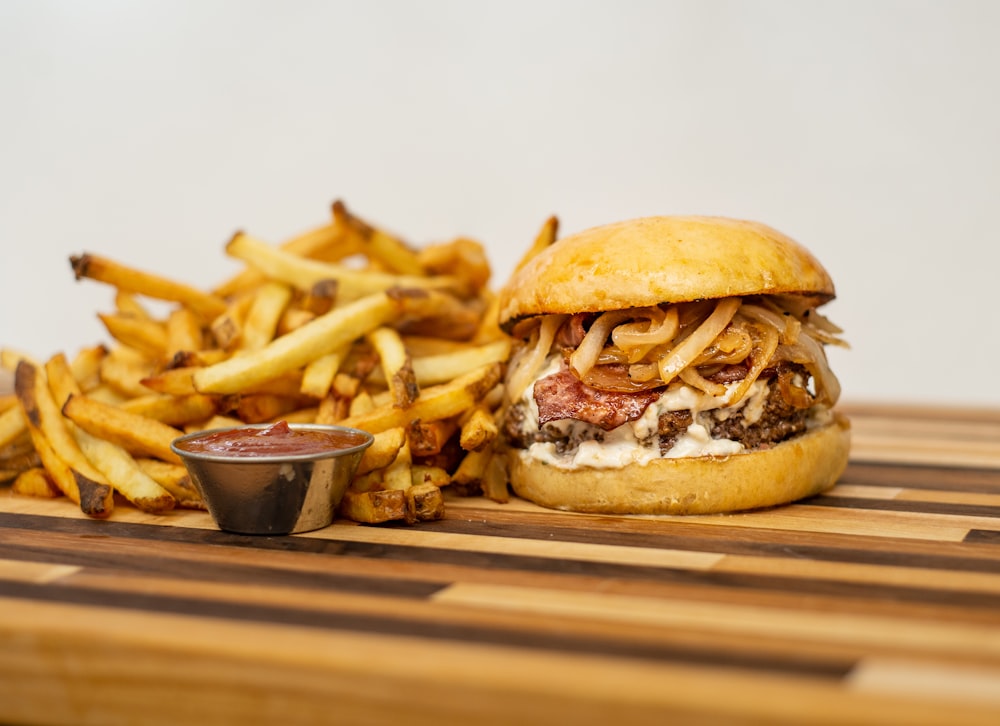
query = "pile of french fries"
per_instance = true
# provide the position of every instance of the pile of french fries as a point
(345, 324)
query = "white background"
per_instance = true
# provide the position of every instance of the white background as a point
(870, 131)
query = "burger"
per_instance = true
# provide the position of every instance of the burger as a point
(671, 365)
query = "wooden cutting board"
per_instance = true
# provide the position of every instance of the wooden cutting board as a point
(877, 602)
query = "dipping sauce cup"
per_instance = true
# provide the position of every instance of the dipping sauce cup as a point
(273, 479)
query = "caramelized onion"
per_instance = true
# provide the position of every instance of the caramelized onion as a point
(585, 356)
(531, 359)
(692, 346)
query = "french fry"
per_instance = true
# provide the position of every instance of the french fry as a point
(394, 254)
(383, 450)
(469, 475)
(124, 369)
(12, 425)
(478, 428)
(327, 242)
(128, 305)
(269, 302)
(436, 475)
(317, 378)
(125, 475)
(396, 365)
(99, 268)
(545, 237)
(428, 438)
(86, 366)
(173, 410)
(398, 474)
(323, 335)
(374, 507)
(227, 328)
(35, 482)
(434, 403)
(303, 273)
(494, 481)
(139, 435)
(462, 258)
(320, 298)
(447, 366)
(142, 334)
(184, 332)
(60, 454)
(424, 502)
(175, 479)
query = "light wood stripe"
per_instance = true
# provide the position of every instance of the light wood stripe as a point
(19, 571)
(897, 634)
(915, 680)
(531, 548)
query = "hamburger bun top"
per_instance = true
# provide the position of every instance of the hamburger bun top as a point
(654, 260)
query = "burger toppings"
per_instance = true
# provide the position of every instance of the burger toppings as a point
(688, 379)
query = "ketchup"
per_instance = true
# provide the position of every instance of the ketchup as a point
(276, 440)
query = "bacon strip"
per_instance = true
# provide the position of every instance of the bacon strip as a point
(562, 395)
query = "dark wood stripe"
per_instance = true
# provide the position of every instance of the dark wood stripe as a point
(905, 505)
(742, 584)
(554, 640)
(974, 481)
(853, 549)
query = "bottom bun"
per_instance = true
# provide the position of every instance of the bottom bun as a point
(791, 470)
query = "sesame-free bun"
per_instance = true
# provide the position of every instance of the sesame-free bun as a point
(655, 260)
(793, 469)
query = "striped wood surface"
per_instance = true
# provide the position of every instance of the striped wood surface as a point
(877, 602)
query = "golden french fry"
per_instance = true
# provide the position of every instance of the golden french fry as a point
(323, 243)
(175, 479)
(546, 236)
(173, 410)
(495, 478)
(128, 305)
(317, 378)
(427, 438)
(424, 502)
(184, 333)
(173, 382)
(9, 358)
(384, 505)
(479, 429)
(139, 435)
(398, 474)
(462, 258)
(121, 470)
(393, 253)
(323, 335)
(303, 273)
(396, 365)
(124, 278)
(255, 408)
(58, 450)
(361, 403)
(320, 298)
(227, 328)
(143, 334)
(261, 324)
(447, 366)
(12, 425)
(124, 369)
(35, 482)
(434, 403)
(383, 451)
(86, 366)
(42, 411)
(436, 475)
(7, 402)
(468, 476)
